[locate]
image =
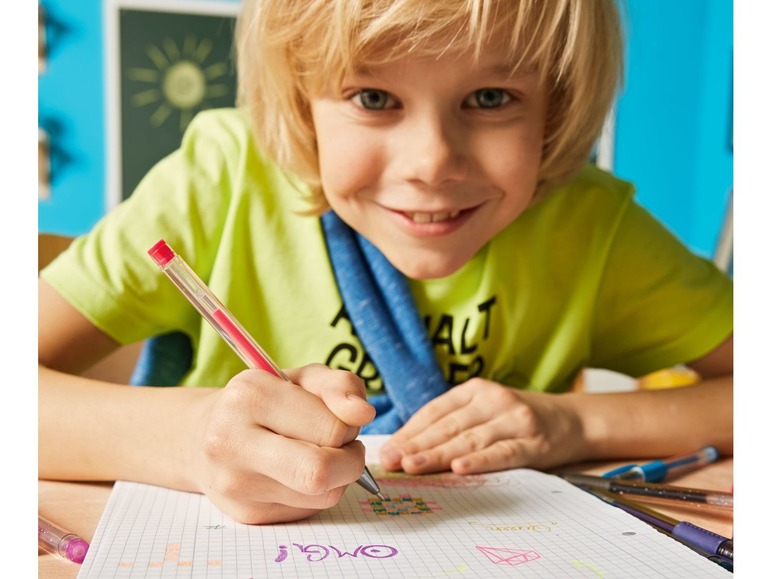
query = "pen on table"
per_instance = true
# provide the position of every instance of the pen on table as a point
(660, 470)
(699, 539)
(655, 492)
(209, 306)
(60, 542)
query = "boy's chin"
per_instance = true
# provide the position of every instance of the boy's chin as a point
(426, 264)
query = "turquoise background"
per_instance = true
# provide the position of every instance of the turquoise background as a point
(674, 124)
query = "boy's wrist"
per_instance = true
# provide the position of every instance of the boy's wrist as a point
(594, 430)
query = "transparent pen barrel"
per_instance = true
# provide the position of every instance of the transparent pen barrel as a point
(50, 536)
(219, 317)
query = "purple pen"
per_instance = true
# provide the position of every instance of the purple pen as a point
(689, 533)
(60, 542)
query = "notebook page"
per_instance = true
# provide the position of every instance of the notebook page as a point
(519, 522)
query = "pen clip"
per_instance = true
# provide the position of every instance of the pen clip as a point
(619, 471)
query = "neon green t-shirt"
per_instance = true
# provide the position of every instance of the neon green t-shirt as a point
(583, 278)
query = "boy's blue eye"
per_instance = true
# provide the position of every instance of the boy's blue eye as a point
(373, 99)
(488, 98)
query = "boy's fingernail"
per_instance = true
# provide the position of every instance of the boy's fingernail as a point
(357, 399)
(391, 455)
(463, 463)
(418, 459)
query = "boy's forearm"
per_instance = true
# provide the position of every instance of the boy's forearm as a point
(657, 423)
(91, 430)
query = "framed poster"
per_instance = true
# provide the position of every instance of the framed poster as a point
(167, 60)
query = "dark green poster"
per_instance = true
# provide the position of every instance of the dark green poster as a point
(172, 65)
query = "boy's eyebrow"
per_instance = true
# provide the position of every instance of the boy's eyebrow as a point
(508, 71)
(360, 70)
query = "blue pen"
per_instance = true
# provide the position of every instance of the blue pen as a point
(659, 470)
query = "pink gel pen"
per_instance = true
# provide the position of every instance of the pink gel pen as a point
(60, 542)
(207, 304)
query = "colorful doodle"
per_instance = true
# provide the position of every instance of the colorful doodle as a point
(501, 556)
(401, 505)
(532, 527)
(315, 553)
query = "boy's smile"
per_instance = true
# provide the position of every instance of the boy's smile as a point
(428, 157)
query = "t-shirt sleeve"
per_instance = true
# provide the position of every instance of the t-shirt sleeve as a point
(107, 274)
(658, 304)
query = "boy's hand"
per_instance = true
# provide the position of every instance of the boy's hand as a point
(265, 450)
(482, 426)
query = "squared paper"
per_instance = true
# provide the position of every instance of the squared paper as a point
(514, 523)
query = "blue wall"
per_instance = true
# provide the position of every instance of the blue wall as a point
(71, 108)
(673, 127)
(674, 119)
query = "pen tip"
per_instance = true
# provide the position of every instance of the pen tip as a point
(380, 496)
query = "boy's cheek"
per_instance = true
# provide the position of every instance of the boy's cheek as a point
(346, 165)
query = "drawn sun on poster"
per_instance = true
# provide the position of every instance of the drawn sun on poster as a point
(184, 80)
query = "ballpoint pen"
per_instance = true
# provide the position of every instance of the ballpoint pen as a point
(653, 492)
(660, 470)
(60, 542)
(210, 307)
(701, 540)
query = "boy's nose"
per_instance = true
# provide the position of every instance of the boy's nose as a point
(432, 152)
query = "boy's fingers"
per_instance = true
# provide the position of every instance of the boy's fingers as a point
(488, 445)
(503, 454)
(258, 398)
(456, 398)
(285, 504)
(302, 467)
(341, 391)
(439, 421)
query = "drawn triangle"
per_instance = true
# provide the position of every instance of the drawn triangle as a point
(502, 556)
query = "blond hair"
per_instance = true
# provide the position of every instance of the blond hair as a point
(286, 49)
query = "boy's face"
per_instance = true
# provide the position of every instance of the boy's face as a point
(430, 158)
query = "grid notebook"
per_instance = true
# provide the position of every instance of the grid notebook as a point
(520, 523)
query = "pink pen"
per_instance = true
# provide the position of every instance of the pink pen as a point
(226, 325)
(212, 309)
(59, 542)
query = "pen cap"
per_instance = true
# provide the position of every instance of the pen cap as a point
(73, 548)
(60, 542)
(161, 253)
(655, 471)
(704, 539)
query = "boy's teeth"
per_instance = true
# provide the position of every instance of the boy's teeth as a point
(432, 217)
